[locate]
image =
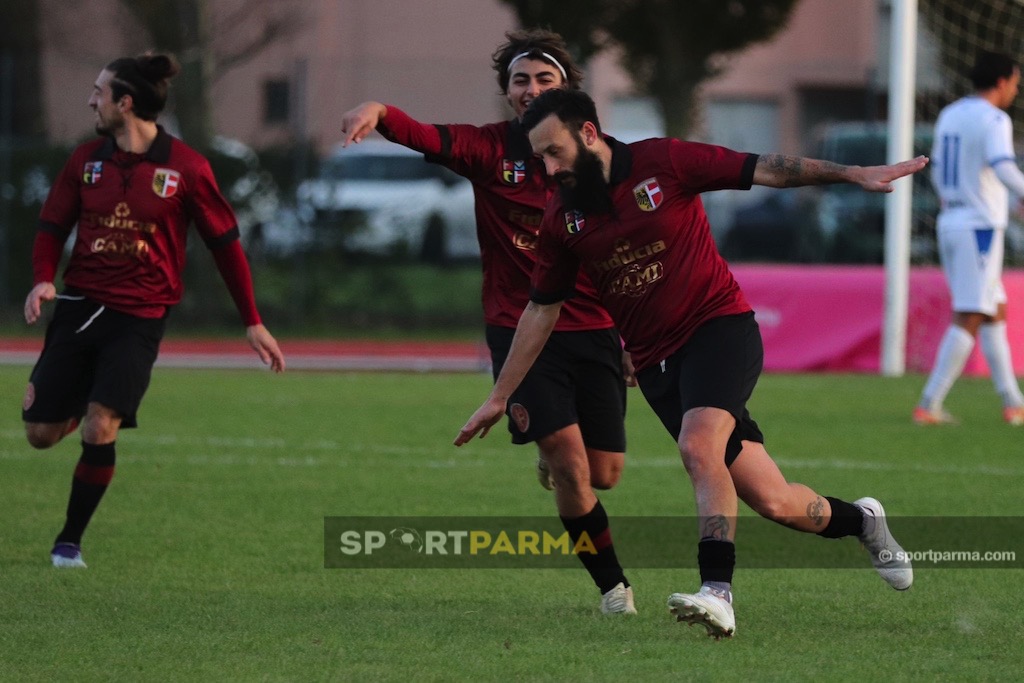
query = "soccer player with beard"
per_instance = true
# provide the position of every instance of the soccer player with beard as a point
(572, 402)
(631, 217)
(132, 194)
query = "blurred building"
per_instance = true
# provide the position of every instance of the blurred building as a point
(432, 58)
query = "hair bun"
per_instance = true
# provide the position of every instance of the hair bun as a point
(157, 67)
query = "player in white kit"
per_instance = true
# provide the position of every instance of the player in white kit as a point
(974, 169)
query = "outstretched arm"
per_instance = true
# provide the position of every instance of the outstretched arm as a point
(391, 122)
(359, 122)
(779, 170)
(532, 333)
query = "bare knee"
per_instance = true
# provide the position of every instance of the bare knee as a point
(703, 439)
(566, 459)
(697, 454)
(43, 435)
(101, 424)
(605, 468)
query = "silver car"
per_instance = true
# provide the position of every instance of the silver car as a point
(377, 197)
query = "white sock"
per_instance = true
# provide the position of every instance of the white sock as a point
(996, 347)
(954, 350)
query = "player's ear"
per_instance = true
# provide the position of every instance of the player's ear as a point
(589, 133)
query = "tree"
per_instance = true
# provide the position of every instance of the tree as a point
(209, 38)
(185, 27)
(669, 47)
(20, 100)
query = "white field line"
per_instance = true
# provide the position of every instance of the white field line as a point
(259, 452)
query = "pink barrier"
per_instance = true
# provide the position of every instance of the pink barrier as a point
(829, 318)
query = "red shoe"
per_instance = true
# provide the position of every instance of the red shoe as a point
(1014, 416)
(923, 416)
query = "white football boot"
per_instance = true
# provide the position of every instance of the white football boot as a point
(618, 600)
(887, 555)
(67, 556)
(708, 607)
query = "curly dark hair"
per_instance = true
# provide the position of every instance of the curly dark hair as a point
(535, 42)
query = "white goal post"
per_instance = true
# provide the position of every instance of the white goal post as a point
(902, 63)
(932, 45)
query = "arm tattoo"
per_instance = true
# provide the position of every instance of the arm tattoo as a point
(816, 511)
(798, 171)
(716, 528)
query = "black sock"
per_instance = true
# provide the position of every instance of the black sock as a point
(716, 560)
(92, 476)
(846, 520)
(603, 565)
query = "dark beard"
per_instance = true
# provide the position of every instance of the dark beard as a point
(110, 128)
(584, 188)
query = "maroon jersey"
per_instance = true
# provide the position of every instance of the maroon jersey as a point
(511, 191)
(133, 212)
(652, 258)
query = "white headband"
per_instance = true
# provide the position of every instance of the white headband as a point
(546, 56)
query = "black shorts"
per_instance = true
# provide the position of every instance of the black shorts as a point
(717, 367)
(577, 379)
(92, 353)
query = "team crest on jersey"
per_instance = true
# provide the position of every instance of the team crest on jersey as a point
(165, 182)
(513, 172)
(92, 172)
(574, 221)
(648, 194)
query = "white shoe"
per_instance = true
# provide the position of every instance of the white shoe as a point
(709, 608)
(618, 600)
(67, 555)
(887, 555)
(544, 474)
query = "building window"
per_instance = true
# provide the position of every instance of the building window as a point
(275, 102)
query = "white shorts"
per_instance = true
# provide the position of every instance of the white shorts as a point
(973, 263)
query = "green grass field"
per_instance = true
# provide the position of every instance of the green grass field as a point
(206, 558)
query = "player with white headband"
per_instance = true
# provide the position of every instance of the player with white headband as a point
(533, 54)
(573, 402)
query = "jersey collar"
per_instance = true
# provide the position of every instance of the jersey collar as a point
(622, 160)
(517, 142)
(159, 152)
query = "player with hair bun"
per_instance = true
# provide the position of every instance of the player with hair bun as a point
(132, 193)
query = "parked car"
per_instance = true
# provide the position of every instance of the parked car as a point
(782, 227)
(380, 198)
(266, 225)
(853, 221)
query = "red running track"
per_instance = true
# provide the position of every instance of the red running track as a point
(300, 354)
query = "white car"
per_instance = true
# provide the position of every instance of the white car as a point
(377, 197)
